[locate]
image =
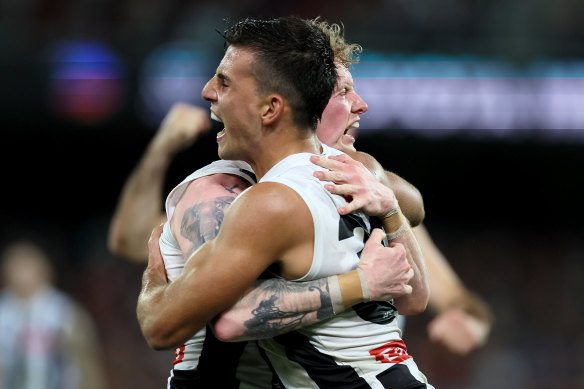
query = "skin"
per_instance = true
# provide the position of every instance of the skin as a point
(241, 251)
(138, 208)
(245, 320)
(464, 320)
(184, 123)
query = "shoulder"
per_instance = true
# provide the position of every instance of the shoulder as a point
(267, 221)
(212, 186)
(268, 209)
(269, 200)
(369, 162)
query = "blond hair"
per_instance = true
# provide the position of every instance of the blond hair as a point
(345, 53)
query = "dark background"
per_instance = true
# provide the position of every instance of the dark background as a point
(506, 211)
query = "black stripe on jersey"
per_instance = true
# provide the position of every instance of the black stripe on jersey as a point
(185, 379)
(376, 312)
(251, 175)
(276, 383)
(218, 362)
(347, 223)
(399, 377)
(321, 368)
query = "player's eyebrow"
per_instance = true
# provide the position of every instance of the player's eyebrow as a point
(223, 77)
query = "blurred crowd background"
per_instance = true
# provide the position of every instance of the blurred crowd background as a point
(480, 104)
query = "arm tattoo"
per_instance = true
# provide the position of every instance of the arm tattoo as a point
(201, 222)
(278, 307)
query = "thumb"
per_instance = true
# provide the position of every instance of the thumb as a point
(377, 235)
(155, 235)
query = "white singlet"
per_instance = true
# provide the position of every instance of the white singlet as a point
(187, 357)
(359, 347)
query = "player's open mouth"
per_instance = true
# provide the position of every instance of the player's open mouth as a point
(221, 133)
(353, 125)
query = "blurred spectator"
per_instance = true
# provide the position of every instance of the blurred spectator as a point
(47, 340)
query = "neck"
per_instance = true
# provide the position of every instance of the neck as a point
(279, 148)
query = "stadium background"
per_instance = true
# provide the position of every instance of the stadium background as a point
(479, 104)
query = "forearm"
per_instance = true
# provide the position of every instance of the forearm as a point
(139, 207)
(162, 323)
(448, 291)
(150, 298)
(399, 231)
(474, 306)
(275, 306)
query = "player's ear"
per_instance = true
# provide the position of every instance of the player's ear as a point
(272, 109)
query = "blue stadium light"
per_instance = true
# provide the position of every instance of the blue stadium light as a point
(87, 83)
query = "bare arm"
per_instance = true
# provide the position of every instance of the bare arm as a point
(275, 306)
(139, 208)
(352, 178)
(222, 269)
(463, 320)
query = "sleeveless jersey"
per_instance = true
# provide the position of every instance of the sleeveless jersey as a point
(34, 336)
(359, 347)
(203, 352)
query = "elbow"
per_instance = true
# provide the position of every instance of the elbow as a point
(418, 213)
(159, 339)
(119, 245)
(418, 306)
(115, 244)
(412, 206)
(117, 240)
(159, 332)
(225, 329)
(419, 216)
(413, 304)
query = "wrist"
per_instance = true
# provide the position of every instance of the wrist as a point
(394, 225)
(392, 211)
(348, 289)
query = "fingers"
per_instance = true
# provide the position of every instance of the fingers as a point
(344, 158)
(154, 255)
(330, 175)
(377, 235)
(335, 162)
(155, 235)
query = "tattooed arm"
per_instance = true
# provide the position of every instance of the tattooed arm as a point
(139, 207)
(275, 306)
(200, 211)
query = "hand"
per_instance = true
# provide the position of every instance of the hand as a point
(386, 269)
(181, 127)
(458, 331)
(354, 181)
(155, 273)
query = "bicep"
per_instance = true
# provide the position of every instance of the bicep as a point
(222, 269)
(409, 197)
(199, 216)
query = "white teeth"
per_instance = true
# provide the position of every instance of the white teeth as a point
(355, 125)
(214, 117)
